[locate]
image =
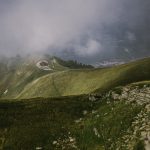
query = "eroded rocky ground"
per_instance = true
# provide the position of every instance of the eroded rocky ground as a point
(140, 129)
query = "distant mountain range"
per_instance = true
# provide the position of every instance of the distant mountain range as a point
(104, 64)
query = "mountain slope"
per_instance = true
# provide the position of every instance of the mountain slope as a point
(76, 82)
(16, 73)
(14, 80)
(115, 115)
(117, 120)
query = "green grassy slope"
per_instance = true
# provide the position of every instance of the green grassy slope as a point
(73, 122)
(69, 123)
(20, 73)
(29, 124)
(16, 73)
(76, 82)
(15, 80)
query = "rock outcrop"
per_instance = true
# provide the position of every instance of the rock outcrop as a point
(136, 95)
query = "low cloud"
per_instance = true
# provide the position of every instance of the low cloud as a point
(85, 27)
(91, 48)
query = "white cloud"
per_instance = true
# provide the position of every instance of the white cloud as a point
(91, 48)
(35, 25)
(131, 36)
(56, 25)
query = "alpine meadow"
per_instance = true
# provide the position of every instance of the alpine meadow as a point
(74, 75)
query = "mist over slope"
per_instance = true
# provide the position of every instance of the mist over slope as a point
(62, 78)
(17, 72)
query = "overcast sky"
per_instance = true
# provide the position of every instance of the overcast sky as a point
(84, 29)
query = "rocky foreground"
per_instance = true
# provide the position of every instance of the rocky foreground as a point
(137, 136)
(136, 95)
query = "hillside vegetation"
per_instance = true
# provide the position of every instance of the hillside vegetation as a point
(72, 64)
(16, 73)
(68, 109)
(85, 81)
(114, 120)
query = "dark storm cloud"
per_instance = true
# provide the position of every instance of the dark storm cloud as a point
(85, 28)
